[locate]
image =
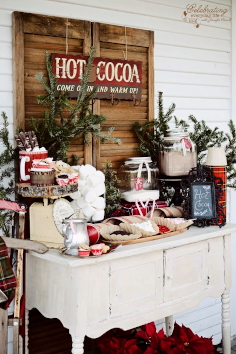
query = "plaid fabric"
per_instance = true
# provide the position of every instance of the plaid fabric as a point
(7, 276)
(221, 172)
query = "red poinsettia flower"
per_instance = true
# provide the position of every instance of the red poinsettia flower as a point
(183, 340)
(149, 334)
(147, 331)
(118, 342)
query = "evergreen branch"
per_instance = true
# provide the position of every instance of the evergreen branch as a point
(63, 119)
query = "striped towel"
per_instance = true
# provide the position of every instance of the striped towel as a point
(7, 276)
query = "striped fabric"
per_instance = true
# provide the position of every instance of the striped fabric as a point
(7, 276)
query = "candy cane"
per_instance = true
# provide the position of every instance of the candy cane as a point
(137, 201)
(153, 206)
(72, 227)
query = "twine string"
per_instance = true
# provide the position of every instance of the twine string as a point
(67, 36)
(125, 52)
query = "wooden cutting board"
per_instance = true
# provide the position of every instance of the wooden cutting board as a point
(144, 239)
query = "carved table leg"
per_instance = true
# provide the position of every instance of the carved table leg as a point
(226, 333)
(77, 345)
(169, 325)
(26, 331)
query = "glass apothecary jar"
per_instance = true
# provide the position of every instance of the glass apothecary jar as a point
(138, 178)
(178, 154)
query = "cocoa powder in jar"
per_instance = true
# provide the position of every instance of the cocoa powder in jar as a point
(175, 163)
(178, 153)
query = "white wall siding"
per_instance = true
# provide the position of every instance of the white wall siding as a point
(192, 68)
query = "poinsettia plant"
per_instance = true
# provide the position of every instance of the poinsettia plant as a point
(146, 340)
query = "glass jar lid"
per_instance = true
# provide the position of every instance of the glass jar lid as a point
(138, 160)
(177, 132)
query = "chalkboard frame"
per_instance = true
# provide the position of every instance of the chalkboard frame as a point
(193, 212)
(202, 175)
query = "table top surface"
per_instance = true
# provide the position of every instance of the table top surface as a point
(192, 235)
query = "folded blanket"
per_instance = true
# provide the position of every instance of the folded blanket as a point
(7, 276)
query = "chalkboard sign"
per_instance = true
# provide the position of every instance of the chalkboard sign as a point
(203, 204)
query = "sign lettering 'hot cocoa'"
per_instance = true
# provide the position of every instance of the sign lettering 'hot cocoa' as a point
(121, 79)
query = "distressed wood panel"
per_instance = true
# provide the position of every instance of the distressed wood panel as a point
(35, 35)
(113, 42)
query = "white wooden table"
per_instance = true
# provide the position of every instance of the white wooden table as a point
(134, 285)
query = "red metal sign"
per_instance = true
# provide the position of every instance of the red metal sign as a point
(120, 79)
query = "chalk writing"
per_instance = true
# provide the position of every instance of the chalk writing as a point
(203, 203)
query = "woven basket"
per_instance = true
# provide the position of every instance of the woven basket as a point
(42, 178)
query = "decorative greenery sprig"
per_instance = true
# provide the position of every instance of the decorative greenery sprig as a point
(6, 175)
(150, 135)
(64, 120)
(113, 195)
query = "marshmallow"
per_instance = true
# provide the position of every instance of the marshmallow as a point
(83, 172)
(81, 203)
(85, 189)
(88, 211)
(99, 203)
(95, 179)
(81, 184)
(99, 189)
(90, 169)
(98, 215)
(75, 195)
(101, 175)
(90, 196)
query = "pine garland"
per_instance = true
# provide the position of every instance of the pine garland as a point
(202, 135)
(6, 175)
(112, 194)
(80, 119)
(151, 133)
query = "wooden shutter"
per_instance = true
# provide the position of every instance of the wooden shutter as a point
(33, 35)
(111, 42)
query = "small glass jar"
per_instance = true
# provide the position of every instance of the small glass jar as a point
(138, 178)
(178, 154)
